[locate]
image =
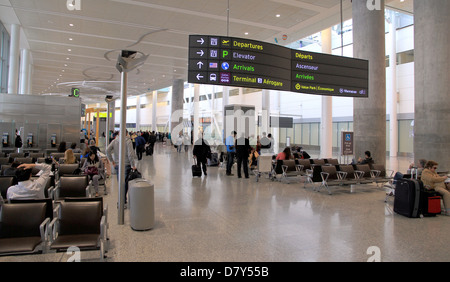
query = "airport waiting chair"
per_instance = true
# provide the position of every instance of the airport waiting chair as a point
(71, 186)
(332, 177)
(24, 160)
(35, 156)
(4, 161)
(23, 228)
(306, 163)
(291, 170)
(332, 161)
(81, 224)
(56, 156)
(16, 155)
(5, 183)
(264, 166)
(49, 209)
(65, 169)
(104, 212)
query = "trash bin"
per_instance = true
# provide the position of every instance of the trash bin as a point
(141, 204)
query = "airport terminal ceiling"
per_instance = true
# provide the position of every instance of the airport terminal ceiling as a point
(76, 43)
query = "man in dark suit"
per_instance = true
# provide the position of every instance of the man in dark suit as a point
(242, 153)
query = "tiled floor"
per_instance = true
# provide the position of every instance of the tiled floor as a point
(222, 218)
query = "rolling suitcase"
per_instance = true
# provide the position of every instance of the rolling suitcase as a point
(407, 200)
(196, 169)
(431, 203)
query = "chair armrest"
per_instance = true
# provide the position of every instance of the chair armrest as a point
(299, 168)
(359, 174)
(103, 227)
(53, 230)
(309, 172)
(375, 173)
(43, 229)
(391, 173)
(51, 192)
(324, 176)
(284, 168)
(105, 212)
(56, 210)
(88, 191)
(341, 175)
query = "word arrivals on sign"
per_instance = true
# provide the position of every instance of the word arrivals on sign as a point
(248, 63)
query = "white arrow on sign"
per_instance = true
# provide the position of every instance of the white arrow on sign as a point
(199, 77)
(200, 64)
(200, 53)
(201, 41)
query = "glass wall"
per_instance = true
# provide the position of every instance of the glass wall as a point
(4, 58)
(309, 134)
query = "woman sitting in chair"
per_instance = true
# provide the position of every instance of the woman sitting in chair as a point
(94, 168)
(69, 157)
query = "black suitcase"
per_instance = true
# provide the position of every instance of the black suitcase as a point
(196, 170)
(407, 199)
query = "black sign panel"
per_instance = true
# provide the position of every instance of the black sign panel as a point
(248, 63)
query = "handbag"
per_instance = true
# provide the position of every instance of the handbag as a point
(133, 175)
(92, 170)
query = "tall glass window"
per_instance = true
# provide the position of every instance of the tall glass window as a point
(4, 58)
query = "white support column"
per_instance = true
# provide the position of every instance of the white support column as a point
(154, 107)
(196, 112)
(225, 96)
(24, 72)
(138, 113)
(392, 70)
(326, 125)
(241, 95)
(265, 116)
(30, 77)
(13, 76)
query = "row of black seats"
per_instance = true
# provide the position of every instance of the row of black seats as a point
(44, 226)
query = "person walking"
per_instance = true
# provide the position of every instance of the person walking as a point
(201, 152)
(231, 151)
(140, 145)
(242, 152)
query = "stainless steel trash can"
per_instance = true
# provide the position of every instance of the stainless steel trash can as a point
(141, 204)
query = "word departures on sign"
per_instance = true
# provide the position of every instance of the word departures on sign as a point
(240, 62)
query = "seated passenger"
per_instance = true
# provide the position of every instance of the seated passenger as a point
(27, 188)
(285, 155)
(93, 167)
(69, 157)
(431, 180)
(253, 158)
(11, 171)
(420, 167)
(367, 159)
(74, 148)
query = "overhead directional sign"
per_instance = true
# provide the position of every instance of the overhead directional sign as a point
(247, 63)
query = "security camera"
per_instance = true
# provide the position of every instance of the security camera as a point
(128, 60)
(109, 98)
